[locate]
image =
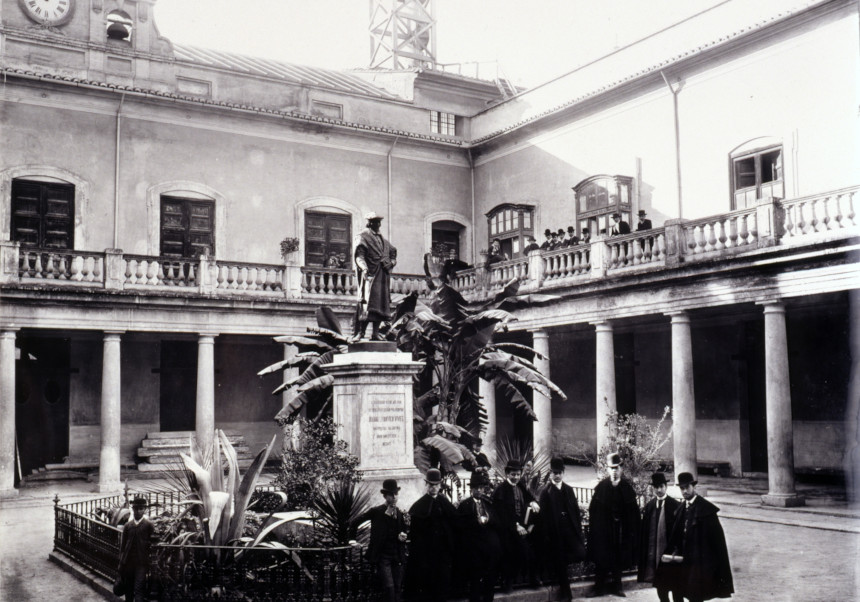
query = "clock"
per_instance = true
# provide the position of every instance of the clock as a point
(48, 12)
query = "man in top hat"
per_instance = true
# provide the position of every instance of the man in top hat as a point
(374, 260)
(696, 562)
(546, 245)
(644, 222)
(572, 239)
(432, 542)
(586, 236)
(613, 528)
(619, 226)
(657, 521)
(514, 506)
(387, 548)
(561, 526)
(134, 546)
(480, 548)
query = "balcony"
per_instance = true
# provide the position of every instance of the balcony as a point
(791, 225)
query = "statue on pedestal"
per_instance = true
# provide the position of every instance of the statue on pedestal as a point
(374, 260)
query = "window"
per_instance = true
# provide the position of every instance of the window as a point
(327, 109)
(510, 224)
(119, 26)
(445, 237)
(328, 238)
(43, 214)
(756, 175)
(187, 227)
(597, 198)
(443, 123)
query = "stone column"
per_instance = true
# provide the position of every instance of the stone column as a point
(111, 422)
(372, 407)
(780, 433)
(605, 382)
(542, 404)
(683, 396)
(487, 391)
(7, 413)
(205, 411)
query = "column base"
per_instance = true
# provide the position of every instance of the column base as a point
(783, 500)
(8, 493)
(110, 487)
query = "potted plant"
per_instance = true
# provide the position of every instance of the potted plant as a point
(289, 246)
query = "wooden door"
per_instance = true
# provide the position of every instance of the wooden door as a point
(328, 239)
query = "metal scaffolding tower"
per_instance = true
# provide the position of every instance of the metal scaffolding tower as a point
(402, 34)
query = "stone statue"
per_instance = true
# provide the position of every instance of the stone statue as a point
(374, 260)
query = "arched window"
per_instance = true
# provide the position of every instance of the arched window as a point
(119, 26)
(598, 197)
(445, 238)
(510, 224)
(43, 213)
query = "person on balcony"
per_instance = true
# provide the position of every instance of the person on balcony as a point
(614, 529)
(644, 222)
(496, 255)
(387, 547)
(375, 257)
(586, 236)
(547, 244)
(619, 226)
(571, 239)
(531, 245)
(135, 542)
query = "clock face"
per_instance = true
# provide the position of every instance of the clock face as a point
(48, 12)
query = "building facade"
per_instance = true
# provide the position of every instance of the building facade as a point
(146, 187)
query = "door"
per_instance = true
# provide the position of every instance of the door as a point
(42, 402)
(328, 239)
(178, 392)
(187, 227)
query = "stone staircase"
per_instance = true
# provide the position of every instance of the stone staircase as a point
(159, 451)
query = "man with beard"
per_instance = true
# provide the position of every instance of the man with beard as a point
(696, 562)
(561, 526)
(432, 542)
(374, 260)
(511, 501)
(657, 521)
(479, 539)
(614, 528)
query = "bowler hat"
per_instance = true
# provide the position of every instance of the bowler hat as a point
(570, 228)
(685, 478)
(556, 464)
(657, 479)
(614, 460)
(389, 486)
(478, 480)
(513, 465)
(642, 213)
(561, 231)
(139, 501)
(547, 232)
(618, 215)
(433, 476)
(584, 230)
(373, 215)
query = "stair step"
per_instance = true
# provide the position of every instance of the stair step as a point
(182, 441)
(173, 452)
(146, 467)
(183, 434)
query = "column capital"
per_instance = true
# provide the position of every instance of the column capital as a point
(772, 306)
(602, 325)
(539, 333)
(679, 317)
(113, 335)
(206, 337)
(8, 333)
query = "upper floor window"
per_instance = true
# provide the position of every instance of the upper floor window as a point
(443, 123)
(597, 198)
(327, 109)
(328, 238)
(756, 175)
(187, 227)
(119, 26)
(510, 224)
(43, 214)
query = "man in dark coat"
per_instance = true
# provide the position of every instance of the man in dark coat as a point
(374, 260)
(613, 528)
(134, 546)
(432, 542)
(387, 548)
(479, 539)
(561, 526)
(696, 563)
(619, 226)
(513, 502)
(546, 245)
(531, 245)
(644, 222)
(657, 521)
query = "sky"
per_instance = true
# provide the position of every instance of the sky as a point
(528, 41)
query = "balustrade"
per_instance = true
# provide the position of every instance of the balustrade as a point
(819, 214)
(569, 262)
(639, 248)
(73, 266)
(709, 236)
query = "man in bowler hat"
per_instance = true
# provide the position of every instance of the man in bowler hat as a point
(513, 504)
(432, 542)
(696, 561)
(546, 245)
(561, 526)
(657, 521)
(614, 528)
(387, 548)
(619, 226)
(479, 539)
(644, 223)
(135, 543)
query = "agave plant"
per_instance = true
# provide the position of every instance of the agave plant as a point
(338, 510)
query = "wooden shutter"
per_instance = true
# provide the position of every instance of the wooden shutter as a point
(327, 234)
(187, 227)
(43, 214)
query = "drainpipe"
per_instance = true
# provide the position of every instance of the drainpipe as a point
(677, 139)
(472, 187)
(390, 150)
(116, 175)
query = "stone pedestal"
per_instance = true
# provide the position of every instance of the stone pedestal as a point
(373, 410)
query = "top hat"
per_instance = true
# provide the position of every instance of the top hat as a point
(561, 231)
(613, 460)
(556, 464)
(570, 228)
(642, 213)
(657, 479)
(513, 465)
(584, 230)
(373, 215)
(389, 486)
(547, 232)
(139, 501)
(685, 478)
(478, 480)
(433, 476)
(614, 215)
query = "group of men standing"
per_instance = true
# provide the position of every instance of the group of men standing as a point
(497, 534)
